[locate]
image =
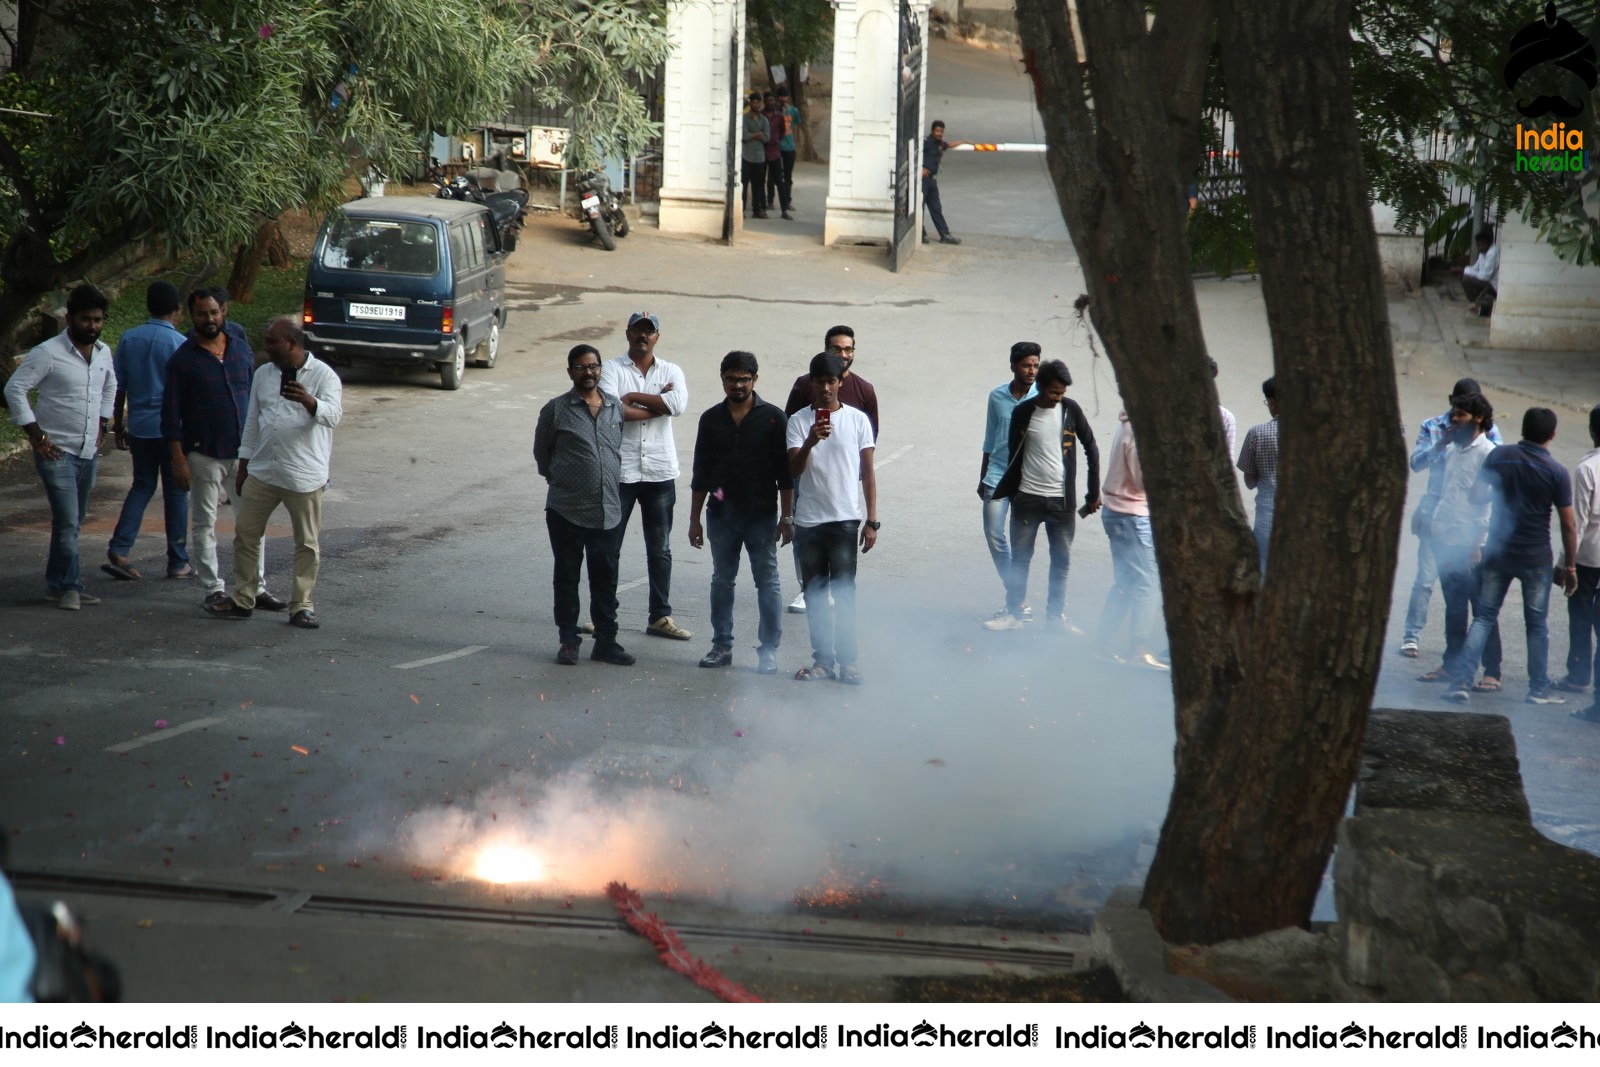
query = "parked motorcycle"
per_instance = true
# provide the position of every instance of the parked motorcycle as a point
(509, 208)
(600, 209)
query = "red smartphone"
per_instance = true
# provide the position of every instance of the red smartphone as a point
(824, 417)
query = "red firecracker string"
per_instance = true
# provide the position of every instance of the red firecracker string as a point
(671, 951)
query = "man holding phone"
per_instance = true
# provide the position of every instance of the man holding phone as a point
(830, 453)
(284, 456)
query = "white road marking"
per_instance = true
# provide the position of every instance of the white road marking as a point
(879, 464)
(164, 735)
(457, 654)
(636, 583)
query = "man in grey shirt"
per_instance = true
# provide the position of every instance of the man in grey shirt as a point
(753, 137)
(578, 448)
(77, 386)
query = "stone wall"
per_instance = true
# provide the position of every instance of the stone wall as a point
(1445, 891)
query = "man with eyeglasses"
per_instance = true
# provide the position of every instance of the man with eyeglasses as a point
(740, 458)
(578, 449)
(854, 391)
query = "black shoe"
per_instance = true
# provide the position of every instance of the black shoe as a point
(717, 657)
(949, 239)
(305, 619)
(267, 602)
(567, 655)
(1588, 714)
(613, 654)
(225, 609)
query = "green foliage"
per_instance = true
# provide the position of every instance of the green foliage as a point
(1220, 240)
(192, 120)
(790, 31)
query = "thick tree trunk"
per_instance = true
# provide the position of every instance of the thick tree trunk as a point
(1271, 681)
(247, 262)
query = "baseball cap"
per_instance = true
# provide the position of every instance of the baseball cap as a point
(645, 316)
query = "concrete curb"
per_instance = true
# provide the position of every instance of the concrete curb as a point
(1125, 939)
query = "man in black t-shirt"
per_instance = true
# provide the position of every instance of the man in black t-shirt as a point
(933, 149)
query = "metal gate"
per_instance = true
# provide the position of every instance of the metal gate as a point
(908, 127)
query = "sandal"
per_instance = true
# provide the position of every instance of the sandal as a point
(1487, 685)
(1440, 675)
(849, 674)
(817, 672)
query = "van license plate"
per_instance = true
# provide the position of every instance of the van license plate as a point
(384, 312)
(590, 201)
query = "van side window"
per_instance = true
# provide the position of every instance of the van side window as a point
(489, 243)
(459, 246)
(475, 241)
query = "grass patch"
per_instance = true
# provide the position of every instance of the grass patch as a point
(278, 292)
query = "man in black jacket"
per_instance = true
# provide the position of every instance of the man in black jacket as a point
(741, 464)
(1041, 482)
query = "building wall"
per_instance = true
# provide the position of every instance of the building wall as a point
(1544, 304)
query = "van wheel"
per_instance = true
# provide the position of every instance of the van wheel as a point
(489, 351)
(450, 374)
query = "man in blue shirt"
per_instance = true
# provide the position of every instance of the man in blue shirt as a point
(1428, 454)
(141, 365)
(1003, 399)
(1524, 483)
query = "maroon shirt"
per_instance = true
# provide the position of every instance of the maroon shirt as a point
(854, 390)
(776, 125)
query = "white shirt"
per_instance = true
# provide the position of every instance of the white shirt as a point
(74, 393)
(1486, 267)
(1042, 473)
(1586, 507)
(288, 447)
(648, 451)
(1457, 520)
(829, 489)
(1230, 429)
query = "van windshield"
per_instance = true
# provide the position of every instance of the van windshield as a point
(386, 245)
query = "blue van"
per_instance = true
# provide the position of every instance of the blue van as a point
(407, 281)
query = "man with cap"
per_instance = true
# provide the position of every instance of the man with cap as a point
(141, 365)
(1428, 454)
(650, 456)
(77, 386)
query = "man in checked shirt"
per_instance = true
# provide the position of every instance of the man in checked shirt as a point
(77, 386)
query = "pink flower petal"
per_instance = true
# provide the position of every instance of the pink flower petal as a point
(161, 724)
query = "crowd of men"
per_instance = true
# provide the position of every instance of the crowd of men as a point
(1483, 523)
(198, 414)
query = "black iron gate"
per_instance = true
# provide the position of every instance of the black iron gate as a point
(908, 127)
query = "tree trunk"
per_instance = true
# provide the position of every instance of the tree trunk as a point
(1271, 680)
(247, 262)
(278, 249)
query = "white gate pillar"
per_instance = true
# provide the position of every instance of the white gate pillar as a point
(704, 70)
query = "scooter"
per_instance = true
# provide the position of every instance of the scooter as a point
(600, 209)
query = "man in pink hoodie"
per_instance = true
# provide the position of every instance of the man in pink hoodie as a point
(1135, 583)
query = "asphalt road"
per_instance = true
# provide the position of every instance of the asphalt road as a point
(977, 778)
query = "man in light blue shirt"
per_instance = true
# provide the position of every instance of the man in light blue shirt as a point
(1003, 399)
(141, 365)
(77, 386)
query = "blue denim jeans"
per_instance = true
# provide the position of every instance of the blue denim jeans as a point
(828, 567)
(1135, 584)
(1458, 580)
(757, 535)
(1028, 514)
(996, 516)
(1421, 589)
(655, 500)
(152, 459)
(1583, 618)
(1266, 507)
(68, 480)
(1493, 584)
(571, 544)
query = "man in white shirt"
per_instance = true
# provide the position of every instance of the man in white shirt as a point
(284, 455)
(650, 457)
(830, 452)
(1583, 612)
(1481, 280)
(77, 387)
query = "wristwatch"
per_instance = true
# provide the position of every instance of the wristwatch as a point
(874, 524)
(785, 519)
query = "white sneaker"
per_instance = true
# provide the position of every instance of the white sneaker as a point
(797, 606)
(665, 627)
(1004, 621)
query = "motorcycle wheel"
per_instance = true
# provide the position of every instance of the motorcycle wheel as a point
(621, 226)
(602, 230)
